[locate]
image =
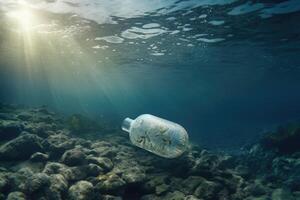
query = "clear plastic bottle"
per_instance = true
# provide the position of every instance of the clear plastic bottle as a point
(157, 135)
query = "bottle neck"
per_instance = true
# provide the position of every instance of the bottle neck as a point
(127, 124)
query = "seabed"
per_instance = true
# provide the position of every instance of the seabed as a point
(43, 157)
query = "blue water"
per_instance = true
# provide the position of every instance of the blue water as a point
(226, 70)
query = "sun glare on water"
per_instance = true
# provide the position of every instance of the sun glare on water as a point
(23, 18)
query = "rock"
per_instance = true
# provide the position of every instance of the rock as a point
(264, 197)
(57, 144)
(283, 167)
(24, 116)
(39, 157)
(293, 183)
(20, 148)
(17, 180)
(10, 129)
(16, 196)
(94, 170)
(79, 124)
(296, 194)
(134, 175)
(154, 181)
(176, 195)
(150, 197)
(205, 164)
(74, 157)
(282, 194)
(57, 168)
(105, 163)
(58, 182)
(7, 116)
(191, 197)
(82, 190)
(190, 184)
(36, 182)
(110, 197)
(4, 183)
(58, 187)
(79, 173)
(104, 149)
(41, 129)
(160, 189)
(69, 173)
(207, 190)
(110, 183)
(255, 189)
(286, 139)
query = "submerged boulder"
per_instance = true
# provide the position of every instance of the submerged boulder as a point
(282, 193)
(207, 190)
(57, 144)
(74, 157)
(58, 186)
(81, 190)
(21, 148)
(36, 182)
(110, 183)
(16, 196)
(4, 183)
(39, 157)
(10, 129)
(79, 124)
(285, 139)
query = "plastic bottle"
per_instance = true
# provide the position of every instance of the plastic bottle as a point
(157, 135)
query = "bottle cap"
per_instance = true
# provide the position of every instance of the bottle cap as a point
(127, 124)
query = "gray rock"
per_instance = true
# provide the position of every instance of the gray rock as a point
(82, 190)
(57, 168)
(189, 185)
(110, 197)
(176, 195)
(134, 175)
(25, 116)
(10, 129)
(36, 182)
(154, 181)
(110, 183)
(296, 194)
(282, 194)
(57, 144)
(7, 116)
(264, 197)
(78, 173)
(103, 162)
(207, 190)
(16, 196)
(191, 197)
(17, 180)
(58, 182)
(74, 157)
(94, 170)
(20, 148)
(4, 183)
(58, 187)
(150, 197)
(160, 189)
(39, 157)
(255, 189)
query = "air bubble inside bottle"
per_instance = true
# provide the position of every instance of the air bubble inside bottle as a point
(157, 135)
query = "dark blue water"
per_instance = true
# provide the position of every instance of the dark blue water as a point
(226, 70)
